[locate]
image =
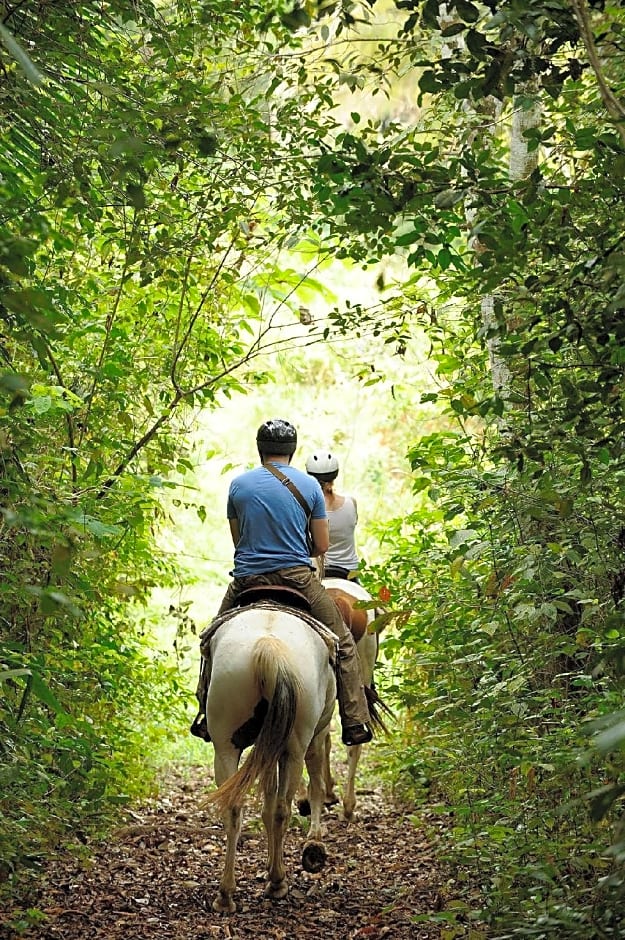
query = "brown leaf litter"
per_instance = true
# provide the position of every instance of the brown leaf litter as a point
(156, 877)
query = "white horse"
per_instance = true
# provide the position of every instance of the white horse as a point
(345, 594)
(272, 685)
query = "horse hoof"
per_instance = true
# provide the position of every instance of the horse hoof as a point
(314, 857)
(224, 904)
(303, 807)
(277, 891)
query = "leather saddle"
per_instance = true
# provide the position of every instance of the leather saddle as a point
(273, 592)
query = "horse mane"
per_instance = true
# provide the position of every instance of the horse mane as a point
(280, 686)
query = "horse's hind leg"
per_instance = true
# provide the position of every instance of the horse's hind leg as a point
(349, 796)
(330, 798)
(367, 651)
(278, 799)
(329, 794)
(314, 854)
(224, 902)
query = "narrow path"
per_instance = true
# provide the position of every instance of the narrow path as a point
(157, 877)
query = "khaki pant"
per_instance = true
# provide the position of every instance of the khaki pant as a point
(353, 707)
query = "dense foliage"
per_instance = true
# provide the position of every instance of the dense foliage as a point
(136, 166)
(150, 176)
(514, 561)
(158, 162)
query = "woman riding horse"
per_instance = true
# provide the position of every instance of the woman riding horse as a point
(341, 558)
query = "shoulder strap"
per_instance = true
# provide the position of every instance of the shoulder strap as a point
(284, 479)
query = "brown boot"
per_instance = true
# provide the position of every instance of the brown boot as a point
(356, 734)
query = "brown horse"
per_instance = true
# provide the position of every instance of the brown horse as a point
(345, 595)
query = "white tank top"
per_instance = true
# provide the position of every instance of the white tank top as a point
(341, 523)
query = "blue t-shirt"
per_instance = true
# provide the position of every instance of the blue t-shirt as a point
(272, 524)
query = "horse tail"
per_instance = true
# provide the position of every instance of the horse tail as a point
(281, 688)
(376, 707)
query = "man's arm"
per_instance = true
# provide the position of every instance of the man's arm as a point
(234, 531)
(320, 536)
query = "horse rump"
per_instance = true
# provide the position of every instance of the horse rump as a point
(279, 687)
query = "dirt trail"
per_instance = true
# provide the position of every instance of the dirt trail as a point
(157, 877)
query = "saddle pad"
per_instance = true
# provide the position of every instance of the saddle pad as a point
(324, 632)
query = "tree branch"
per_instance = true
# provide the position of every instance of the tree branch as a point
(612, 104)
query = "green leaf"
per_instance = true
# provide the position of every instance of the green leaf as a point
(602, 800)
(128, 145)
(476, 43)
(252, 303)
(42, 404)
(95, 526)
(429, 83)
(453, 29)
(430, 14)
(447, 365)
(12, 45)
(449, 198)
(611, 738)
(467, 10)
(444, 258)
(461, 536)
(6, 674)
(36, 306)
(45, 695)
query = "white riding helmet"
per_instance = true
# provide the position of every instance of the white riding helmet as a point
(322, 465)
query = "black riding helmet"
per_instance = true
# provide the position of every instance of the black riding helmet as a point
(276, 437)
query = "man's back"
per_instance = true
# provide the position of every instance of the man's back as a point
(271, 522)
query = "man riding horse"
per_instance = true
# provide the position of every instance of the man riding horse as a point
(269, 527)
